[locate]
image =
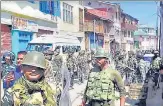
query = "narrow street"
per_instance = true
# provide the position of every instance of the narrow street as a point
(77, 93)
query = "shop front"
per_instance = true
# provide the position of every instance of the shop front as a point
(22, 33)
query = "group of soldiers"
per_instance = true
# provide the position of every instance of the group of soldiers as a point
(37, 78)
(37, 74)
(133, 67)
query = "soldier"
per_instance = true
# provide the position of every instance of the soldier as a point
(7, 63)
(31, 89)
(49, 69)
(100, 90)
(141, 68)
(57, 62)
(50, 74)
(93, 57)
(81, 66)
(71, 64)
(156, 61)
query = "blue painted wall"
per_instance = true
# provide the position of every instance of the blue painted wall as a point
(91, 39)
(20, 40)
(15, 41)
(100, 42)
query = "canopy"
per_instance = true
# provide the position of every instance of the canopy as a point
(57, 40)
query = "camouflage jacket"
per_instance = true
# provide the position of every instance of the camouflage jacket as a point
(25, 93)
(7, 68)
(57, 62)
(71, 62)
(142, 65)
(101, 85)
(156, 63)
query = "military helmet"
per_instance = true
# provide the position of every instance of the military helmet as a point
(35, 58)
(10, 54)
(101, 53)
(49, 52)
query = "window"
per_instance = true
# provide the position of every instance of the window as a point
(47, 7)
(67, 13)
(81, 3)
(125, 34)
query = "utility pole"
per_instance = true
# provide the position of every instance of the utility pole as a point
(161, 30)
(157, 34)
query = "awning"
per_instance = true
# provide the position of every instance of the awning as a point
(57, 39)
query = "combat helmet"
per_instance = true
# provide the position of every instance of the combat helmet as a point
(48, 52)
(35, 58)
(101, 53)
(10, 54)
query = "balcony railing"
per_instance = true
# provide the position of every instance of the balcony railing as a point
(126, 26)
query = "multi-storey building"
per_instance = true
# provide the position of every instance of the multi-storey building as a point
(108, 16)
(72, 20)
(128, 27)
(21, 21)
(145, 38)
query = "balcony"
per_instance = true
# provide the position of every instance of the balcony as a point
(89, 26)
(130, 27)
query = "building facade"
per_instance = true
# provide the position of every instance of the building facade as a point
(23, 21)
(98, 16)
(72, 20)
(145, 38)
(128, 27)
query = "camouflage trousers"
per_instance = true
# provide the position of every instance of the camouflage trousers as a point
(100, 103)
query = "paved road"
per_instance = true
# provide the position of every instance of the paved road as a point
(76, 94)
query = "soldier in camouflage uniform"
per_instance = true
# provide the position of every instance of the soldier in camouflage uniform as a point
(31, 89)
(100, 90)
(81, 66)
(156, 61)
(50, 74)
(92, 57)
(57, 62)
(7, 63)
(71, 65)
(141, 68)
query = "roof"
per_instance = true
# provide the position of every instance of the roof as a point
(58, 40)
(129, 16)
(141, 32)
(98, 13)
(146, 26)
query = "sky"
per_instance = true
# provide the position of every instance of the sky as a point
(144, 11)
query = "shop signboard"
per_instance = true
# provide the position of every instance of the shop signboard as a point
(24, 24)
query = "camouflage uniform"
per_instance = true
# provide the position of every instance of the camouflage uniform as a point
(28, 93)
(71, 65)
(57, 62)
(81, 66)
(6, 68)
(142, 68)
(100, 90)
(156, 63)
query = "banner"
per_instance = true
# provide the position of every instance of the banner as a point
(24, 24)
